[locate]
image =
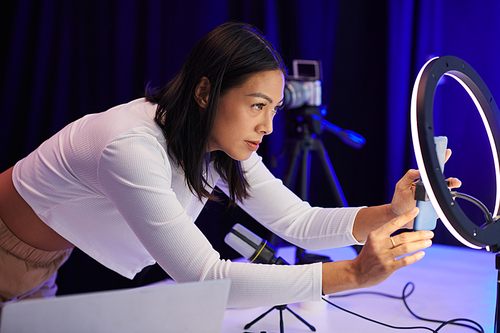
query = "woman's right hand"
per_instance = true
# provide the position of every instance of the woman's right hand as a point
(379, 258)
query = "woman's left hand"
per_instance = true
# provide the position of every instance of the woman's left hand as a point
(404, 194)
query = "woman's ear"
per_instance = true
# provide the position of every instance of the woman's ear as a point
(202, 92)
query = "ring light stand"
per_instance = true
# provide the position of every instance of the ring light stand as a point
(422, 130)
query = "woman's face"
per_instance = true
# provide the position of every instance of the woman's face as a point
(245, 114)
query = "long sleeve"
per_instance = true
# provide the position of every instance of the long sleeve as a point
(138, 182)
(285, 214)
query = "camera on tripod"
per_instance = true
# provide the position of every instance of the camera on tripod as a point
(302, 96)
(303, 87)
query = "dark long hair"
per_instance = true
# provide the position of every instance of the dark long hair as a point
(227, 56)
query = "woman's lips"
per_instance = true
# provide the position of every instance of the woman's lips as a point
(253, 145)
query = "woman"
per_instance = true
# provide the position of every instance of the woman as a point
(126, 185)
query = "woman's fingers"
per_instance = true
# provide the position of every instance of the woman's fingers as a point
(406, 242)
(404, 198)
(454, 182)
(406, 248)
(448, 155)
(420, 242)
(383, 254)
(408, 260)
(397, 223)
(407, 180)
(412, 236)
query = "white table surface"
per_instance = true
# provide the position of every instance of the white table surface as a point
(450, 282)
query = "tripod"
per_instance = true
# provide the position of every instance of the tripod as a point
(280, 308)
(307, 125)
(302, 148)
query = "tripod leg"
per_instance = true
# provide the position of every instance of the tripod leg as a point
(311, 327)
(301, 256)
(282, 326)
(290, 174)
(247, 326)
(332, 177)
(306, 165)
(291, 169)
(334, 182)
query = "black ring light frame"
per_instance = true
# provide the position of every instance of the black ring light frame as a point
(422, 129)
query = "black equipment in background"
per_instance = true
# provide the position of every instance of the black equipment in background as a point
(305, 123)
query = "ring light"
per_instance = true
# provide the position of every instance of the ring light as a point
(422, 130)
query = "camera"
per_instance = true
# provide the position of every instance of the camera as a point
(303, 87)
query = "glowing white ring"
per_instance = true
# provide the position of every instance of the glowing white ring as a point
(420, 161)
(421, 105)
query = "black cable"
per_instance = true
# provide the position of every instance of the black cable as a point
(470, 198)
(378, 322)
(443, 323)
(404, 296)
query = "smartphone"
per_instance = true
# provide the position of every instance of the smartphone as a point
(427, 217)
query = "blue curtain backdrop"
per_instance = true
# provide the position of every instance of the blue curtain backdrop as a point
(422, 29)
(64, 59)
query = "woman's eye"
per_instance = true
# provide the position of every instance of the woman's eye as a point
(259, 106)
(277, 108)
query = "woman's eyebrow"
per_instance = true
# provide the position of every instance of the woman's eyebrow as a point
(261, 95)
(264, 96)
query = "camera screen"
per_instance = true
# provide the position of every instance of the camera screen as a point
(306, 69)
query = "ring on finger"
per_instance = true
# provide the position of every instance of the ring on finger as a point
(393, 243)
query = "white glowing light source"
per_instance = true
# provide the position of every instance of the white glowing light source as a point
(420, 162)
(417, 96)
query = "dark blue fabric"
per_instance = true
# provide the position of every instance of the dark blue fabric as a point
(64, 59)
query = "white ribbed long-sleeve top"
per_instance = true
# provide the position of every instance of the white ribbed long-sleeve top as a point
(106, 183)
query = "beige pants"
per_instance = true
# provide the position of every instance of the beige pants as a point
(25, 271)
